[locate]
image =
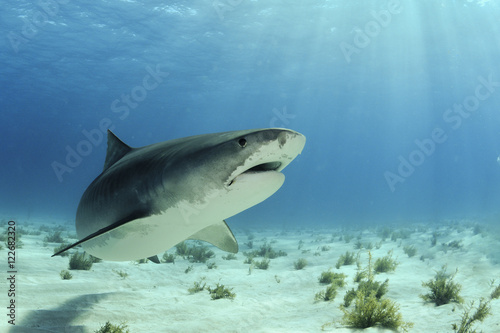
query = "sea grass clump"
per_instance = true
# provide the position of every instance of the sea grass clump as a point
(384, 233)
(329, 277)
(182, 249)
(219, 292)
(229, 256)
(111, 328)
(410, 250)
(120, 273)
(349, 258)
(495, 293)
(454, 245)
(197, 286)
(434, 238)
(367, 287)
(360, 275)
(34, 232)
(248, 260)
(328, 294)
(199, 254)
(348, 238)
(300, 264)
(44, 228)
(169, 258)
(385, 264)
(369, 311)
(370, 307)
(266, 251)
(262, 264)
(78, 261)
(468, 319)
(54, 237)
(61, 247)
(335, 280)
(400, 234)
(66, 275)
(442, 289)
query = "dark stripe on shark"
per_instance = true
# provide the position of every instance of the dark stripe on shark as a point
(131, 217)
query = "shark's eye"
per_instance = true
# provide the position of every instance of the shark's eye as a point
(242, 142)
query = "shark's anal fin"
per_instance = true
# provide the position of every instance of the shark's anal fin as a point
(154, 259)
(116, 150)
(219, 235)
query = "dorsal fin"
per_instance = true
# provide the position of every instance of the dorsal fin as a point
(116, 150)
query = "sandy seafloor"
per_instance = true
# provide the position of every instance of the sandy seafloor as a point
(155, 297)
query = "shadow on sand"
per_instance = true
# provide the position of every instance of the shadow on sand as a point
(59, 319)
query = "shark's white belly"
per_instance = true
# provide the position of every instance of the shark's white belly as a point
(144, 237)
(152, 235)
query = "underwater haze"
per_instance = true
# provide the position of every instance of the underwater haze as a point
(389, 218)
(399, 100)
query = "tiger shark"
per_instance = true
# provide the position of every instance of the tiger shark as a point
(148, 199)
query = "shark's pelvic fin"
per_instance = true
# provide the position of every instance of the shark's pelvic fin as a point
(154, 259)
(219, 235)
(116, 150)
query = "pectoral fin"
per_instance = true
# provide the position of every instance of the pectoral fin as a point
(218, 235)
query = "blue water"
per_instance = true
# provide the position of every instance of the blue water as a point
(363, 80)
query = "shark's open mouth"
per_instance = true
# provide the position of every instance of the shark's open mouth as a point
(269, 166)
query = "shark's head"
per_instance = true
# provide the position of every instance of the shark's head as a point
(239, 169)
